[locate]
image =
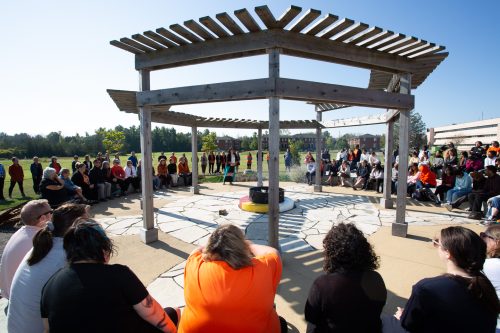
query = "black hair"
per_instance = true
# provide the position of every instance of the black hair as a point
(492, 168)
(347, 249)
(86, 240)
(62, 219)
(468, 251)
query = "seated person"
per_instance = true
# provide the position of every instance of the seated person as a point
(493, 214)
(377, 177)
(52, 188)
(124, 304)
(131, 176)
(311, 171)
(45, 258)
(462, 163)
(98, 179)
(345, 174)
(163, 175)
(413, 158)
(156, 180)
(230, 286)
(373, 159)
(412, 178)
(394, 178)
(463, 186)
(172, 171)
(184, 171)
(350, 295)
(491, 189)
(363, 175)
(495, 146)
(462, 300)
(117, 177)
(81, 180)
(447, 183)
(438, 164)
(332, 170)
(490, 158)
(427, 178)
(477, 152)
(72, 190)
(450, 158)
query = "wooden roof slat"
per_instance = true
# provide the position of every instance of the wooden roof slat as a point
(344, 24)
(135, 44)
(185, 33)
(288, 16)
(427, 52)
(266, 16)
(160, 39)
(411, 47)
(196, 27)
(170, 35)
(353, 32)
(375, 31)
(125, 47)
(397, 39)
(229, 23)
(213, 26)
(248, 21)
(146, 41)
(427, 47)
(400, 45)
(379, 38)
(319, 26)
(305, 20)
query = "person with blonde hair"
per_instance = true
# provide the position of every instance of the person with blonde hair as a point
(230, 286)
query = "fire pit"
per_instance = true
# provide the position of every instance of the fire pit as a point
(259, 194)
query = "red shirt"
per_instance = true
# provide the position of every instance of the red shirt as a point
(118, 172)
(16, 172)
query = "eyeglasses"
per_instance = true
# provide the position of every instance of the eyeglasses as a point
(49, 212)
(485, 235)
(436, 243)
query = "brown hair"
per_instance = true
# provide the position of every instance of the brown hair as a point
(227, 243)
(494, 231)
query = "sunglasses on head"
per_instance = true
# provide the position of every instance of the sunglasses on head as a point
(436, 242)
(485, 235)
(48, 212)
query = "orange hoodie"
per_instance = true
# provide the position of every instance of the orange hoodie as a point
(426, 175)
(183, 168)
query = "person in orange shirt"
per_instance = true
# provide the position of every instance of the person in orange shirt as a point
(230, 286)
(165, 178)
(183, 171)
(495, 146)
(249, 161)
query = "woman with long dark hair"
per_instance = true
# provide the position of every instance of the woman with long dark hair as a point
(461, 300)
(351, 295)
(491, 268)
(46, 258)
(89, 295)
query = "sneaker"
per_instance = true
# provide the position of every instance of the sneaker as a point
(474, 216)
(448, 206)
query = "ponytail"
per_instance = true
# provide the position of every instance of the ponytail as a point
(480, 287)
(42, 244)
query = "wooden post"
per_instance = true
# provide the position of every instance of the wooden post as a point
(274, 138)
(259, 157)
(148, 232)
(317, 183)
(195, 189)
(400, 227)
(386, 201)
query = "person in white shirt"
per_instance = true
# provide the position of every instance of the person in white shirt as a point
(490, 158)
(34, 215)
(345, 175)
(373, 159)
(131, 175)
(365, 156)
(491, 267)
(45, 258)
(311, 171)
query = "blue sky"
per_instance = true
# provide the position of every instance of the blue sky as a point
(57, 62)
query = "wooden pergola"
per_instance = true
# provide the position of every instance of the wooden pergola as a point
(398, 63)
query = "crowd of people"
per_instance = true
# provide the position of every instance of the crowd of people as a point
(56, 275)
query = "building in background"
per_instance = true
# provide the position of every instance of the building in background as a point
(308, 141)
(366, 141)
(226, 142)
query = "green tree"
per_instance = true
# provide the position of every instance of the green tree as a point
(254, 142)
(416, 133)
(209, 142)
(245, 143)
(113, 140)
(295, 148)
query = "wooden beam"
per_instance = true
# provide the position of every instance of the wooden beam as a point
(305, 20)
(229, 23)
(343, 25)
(171, 36)
(196, 27)
(248, 21)
(375, 31)
(288, 16)
(136, 45)
(146, 41)
(179, 29)
(160, 39)
(126, 47)
(386, 201)
(322, 24)
(266, 16)
(213, 26)
(353, 32)
(359, 121)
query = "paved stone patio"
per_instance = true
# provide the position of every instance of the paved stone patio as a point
(192, 219)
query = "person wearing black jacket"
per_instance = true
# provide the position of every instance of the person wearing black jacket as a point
(37, 174)
(363, 174)
(80, 179)
(97, 178)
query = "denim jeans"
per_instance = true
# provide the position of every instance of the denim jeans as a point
(454, 194)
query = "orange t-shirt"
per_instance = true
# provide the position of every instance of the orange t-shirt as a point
(221, 299)
(183, 168)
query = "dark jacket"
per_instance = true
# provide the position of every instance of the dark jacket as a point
(36, 170)
(172, 168)
(492, 186)
(96, 176)
(363, 172)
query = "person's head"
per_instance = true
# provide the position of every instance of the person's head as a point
(86, 240)
(163, 161)
(491, 170)
(99, 154)
(451, 153)
(75, 157)
(97, 163)
(478, 144)
(449, 170)
(464, 154)
(36, 212)
(373, 153)
(64, 173)
(105, 165)
(396, 166)
(311, 160)
(426, 147)
(357, 146)
(116, 162)
(464, 249)
(414, 167)
(129, 164)
(15, 160)
(438, 153)
(62, 219)
(81, 167)
(35, 159)
(347, 249)
(227, 243)
(49, 173)
(451, 144)
(414, 154)
(491, 236)
(53, 159)
(378, 167)
(171, 160)
(495, 144)
(87, 158)
(364, 151)
(492, 154)
(132, 153)
(363, 163)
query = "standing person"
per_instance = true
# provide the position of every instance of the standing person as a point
(98, 296)
(37, 174)
(2, 182)
(99, 157)
(236, 166)
(88, 164)
(223, 161)
(39, 264)
(117, 157)
(211, 162)
(54, 164)
(249, 161)
(357, 155)
(365, 156)
(310, 171)
(230, 286)
(230, 167)
(218, 161)
(107, 157)
(204, 162)
(98, 179)
(462, 300)
(288, 160)
(162, 156)
(133, 158)
(350, 296)
(16, 176)
(34, 215)
(373, 159)
(73, 164)
(173, 157)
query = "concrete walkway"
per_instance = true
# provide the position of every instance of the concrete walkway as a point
(186, 221)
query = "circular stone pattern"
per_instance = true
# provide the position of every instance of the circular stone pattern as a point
(259, 194)
(249, 206)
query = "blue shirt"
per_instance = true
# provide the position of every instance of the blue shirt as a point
(2, 170)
